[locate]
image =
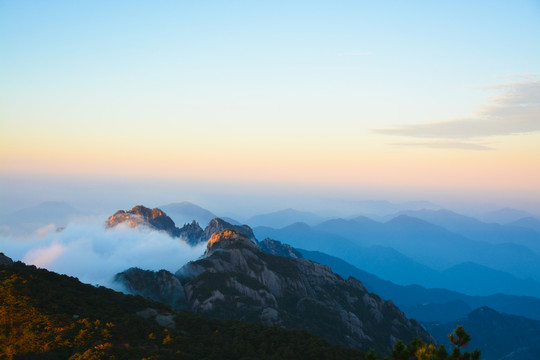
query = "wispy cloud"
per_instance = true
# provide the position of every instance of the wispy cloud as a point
(445, 144)
(515, 111)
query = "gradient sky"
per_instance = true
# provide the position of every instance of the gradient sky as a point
(339, 94)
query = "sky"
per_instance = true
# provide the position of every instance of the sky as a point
(406, 100)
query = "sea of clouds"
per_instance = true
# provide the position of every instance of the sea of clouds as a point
(94, 254)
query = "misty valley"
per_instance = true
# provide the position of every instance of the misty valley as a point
(366, 285)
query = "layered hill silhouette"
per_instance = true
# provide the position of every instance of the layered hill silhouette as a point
(474, 229)
(30, 219)
(527, 222)
(282, 218)
(185, 212)
(418, 245)
(432, 304)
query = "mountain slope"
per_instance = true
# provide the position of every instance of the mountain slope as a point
(237, 280)
(49, 316)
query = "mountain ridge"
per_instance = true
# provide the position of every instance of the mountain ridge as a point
(237, 279)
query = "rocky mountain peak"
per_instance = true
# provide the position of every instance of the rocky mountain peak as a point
(229, 239)
(216, 225)
(192, 233)
(141, 215)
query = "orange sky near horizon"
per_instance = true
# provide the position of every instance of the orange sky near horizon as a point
(403, 98)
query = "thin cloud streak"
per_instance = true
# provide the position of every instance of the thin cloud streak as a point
(516, 111)
(446, 145)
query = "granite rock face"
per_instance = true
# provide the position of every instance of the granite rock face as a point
(192, 233)
(236, 279)
(218, 225)
(141, 215)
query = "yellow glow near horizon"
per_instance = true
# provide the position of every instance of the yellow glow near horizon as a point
(365, 161)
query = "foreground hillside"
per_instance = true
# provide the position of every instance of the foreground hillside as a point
(49, 316)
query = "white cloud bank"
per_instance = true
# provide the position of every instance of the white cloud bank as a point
(95, 254)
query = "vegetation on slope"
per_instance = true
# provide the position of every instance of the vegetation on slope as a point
(44, 315)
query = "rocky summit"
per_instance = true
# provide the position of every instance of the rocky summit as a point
(141, 215)
(236, 279)
(156, 219)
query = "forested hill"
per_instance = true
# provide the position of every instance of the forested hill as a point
(49, 316)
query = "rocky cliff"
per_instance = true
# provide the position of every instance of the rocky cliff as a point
(235, 279)
(217, 225)
(192, 233)
(156, 219)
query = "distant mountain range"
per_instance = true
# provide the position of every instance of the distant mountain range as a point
(283, 218)
(434, 304)
(421, 242)
(480, 231)
(185, 212)
(28, 220)
(383, 207)
(503, 216)
(528, 222)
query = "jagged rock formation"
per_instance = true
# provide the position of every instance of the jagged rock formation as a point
(192, 233)
(275, 247)
(156, 219)
(140, 215)
(5, 261)
(237, 280)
